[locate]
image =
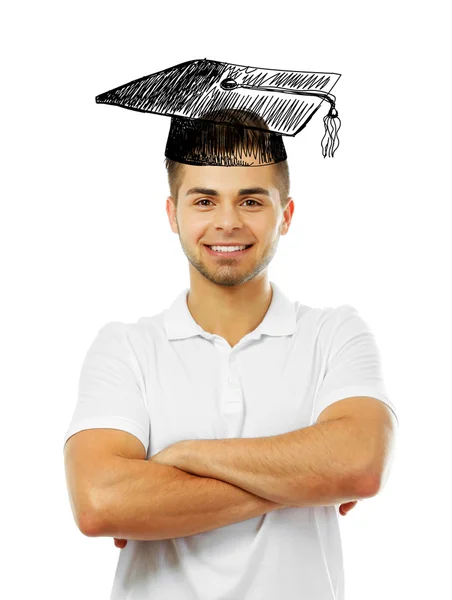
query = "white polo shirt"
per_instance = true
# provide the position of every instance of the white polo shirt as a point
(165, 379)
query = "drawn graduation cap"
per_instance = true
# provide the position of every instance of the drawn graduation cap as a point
(231, 115)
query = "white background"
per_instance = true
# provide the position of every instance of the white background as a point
(85, 239)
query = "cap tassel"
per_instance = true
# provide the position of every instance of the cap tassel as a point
(330, 141)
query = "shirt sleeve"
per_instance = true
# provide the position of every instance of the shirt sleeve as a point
(111, 390)
(354, 363)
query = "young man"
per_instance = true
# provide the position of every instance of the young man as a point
(215, 439)
(214, 206)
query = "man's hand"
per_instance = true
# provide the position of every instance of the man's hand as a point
(347, 507)
(168, 456)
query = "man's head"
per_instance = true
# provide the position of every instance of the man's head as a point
(215, 205)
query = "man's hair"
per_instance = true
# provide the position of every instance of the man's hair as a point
(281, 169)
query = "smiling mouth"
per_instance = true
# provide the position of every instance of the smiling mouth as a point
(233, 254)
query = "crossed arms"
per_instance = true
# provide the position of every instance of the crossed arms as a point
(198, 485)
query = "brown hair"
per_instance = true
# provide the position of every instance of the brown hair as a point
(281, 168)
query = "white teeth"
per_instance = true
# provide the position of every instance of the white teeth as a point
(227, 248)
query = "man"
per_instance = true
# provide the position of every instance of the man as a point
(257, 416)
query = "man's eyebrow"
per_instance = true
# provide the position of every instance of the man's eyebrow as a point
(242, 192)
(200, 190)
(254, 190)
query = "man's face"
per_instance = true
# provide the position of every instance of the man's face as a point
(229, 205)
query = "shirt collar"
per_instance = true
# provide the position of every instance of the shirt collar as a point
(280, 318)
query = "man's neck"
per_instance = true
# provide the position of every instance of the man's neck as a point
(230, 316)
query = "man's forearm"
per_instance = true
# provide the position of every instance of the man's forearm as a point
(151, 501)
(313, 466)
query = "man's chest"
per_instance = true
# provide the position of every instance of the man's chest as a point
(205, 397)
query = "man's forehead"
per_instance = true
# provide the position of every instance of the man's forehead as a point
(252, 180)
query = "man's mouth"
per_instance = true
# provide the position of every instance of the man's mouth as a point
(231, 253)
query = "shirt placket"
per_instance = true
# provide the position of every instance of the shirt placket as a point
(232, 404)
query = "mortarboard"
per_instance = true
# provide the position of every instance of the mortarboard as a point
(220, 111)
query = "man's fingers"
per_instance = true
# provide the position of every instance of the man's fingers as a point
(347, 506)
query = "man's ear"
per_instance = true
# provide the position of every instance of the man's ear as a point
(287, 216)
(171, 212)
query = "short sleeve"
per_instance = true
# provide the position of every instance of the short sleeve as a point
(354, 363)
(111, 390)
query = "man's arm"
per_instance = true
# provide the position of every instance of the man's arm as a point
(324, 464)
(153, 501)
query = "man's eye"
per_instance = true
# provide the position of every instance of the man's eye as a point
(202, 200)
(247, 200)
